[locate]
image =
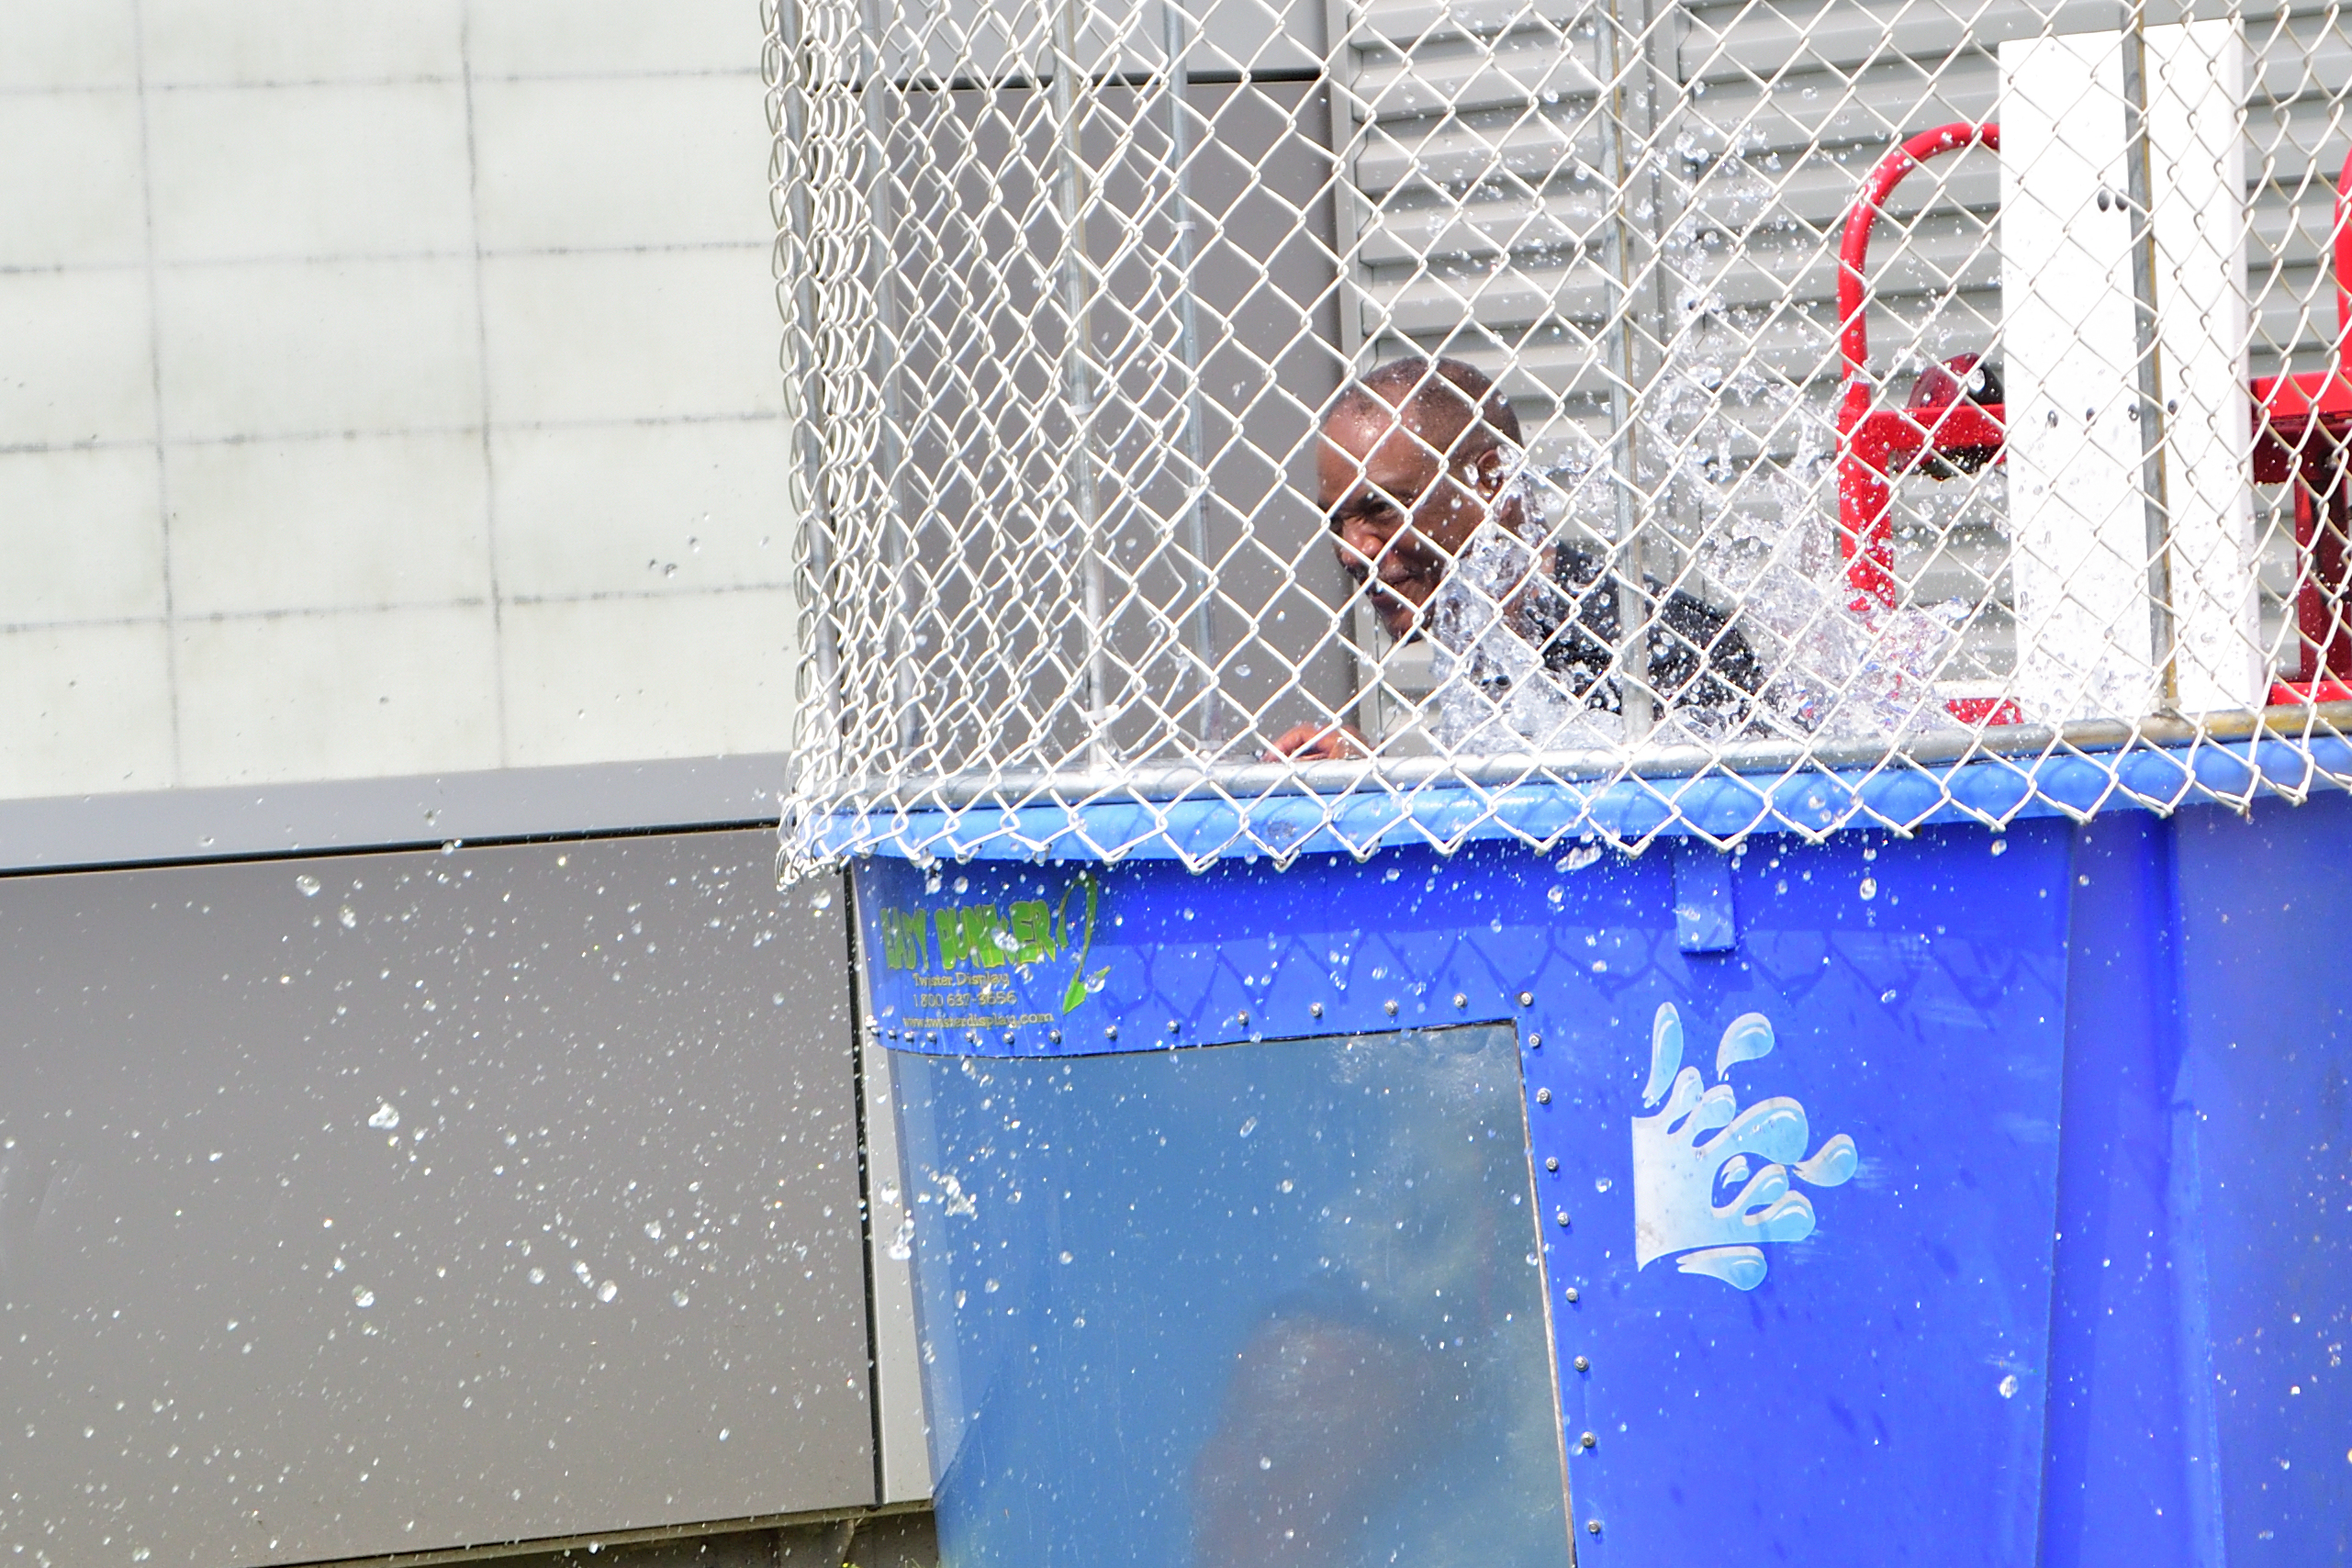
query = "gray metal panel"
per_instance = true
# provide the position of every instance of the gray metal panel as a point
(246, 1318)
(64, 833)
(902, 1422)
(1265, 285)
(958, 38)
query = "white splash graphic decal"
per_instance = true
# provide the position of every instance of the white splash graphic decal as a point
(1710, 1181)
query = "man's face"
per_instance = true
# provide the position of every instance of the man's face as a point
(1400, 511)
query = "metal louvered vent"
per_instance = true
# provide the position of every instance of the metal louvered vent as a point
(1234, 428)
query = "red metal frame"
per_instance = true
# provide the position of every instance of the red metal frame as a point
(1876, 445)
(2302, 435)
(2302, 431)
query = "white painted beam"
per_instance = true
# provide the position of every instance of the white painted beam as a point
(2087, 624)
(2197, 161)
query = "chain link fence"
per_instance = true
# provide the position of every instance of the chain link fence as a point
(1234, 428)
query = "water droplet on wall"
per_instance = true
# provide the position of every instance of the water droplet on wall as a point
(310, 886)
(385, 1119)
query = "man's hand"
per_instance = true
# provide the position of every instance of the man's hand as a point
(1311, 742)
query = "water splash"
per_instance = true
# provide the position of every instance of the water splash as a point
(1492, 691)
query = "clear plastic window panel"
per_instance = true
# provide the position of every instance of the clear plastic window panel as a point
(1257, 1303)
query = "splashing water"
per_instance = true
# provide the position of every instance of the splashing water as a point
(1493, 692)
(1737, 501)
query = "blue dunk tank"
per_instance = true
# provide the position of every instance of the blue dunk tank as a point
(1960, 1197)
(1309, 1169)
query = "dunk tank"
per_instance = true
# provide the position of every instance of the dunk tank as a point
(1784, 1003)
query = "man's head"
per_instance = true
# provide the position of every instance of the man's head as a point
(1413, 457)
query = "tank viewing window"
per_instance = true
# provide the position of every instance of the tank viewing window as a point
(1295, 1288)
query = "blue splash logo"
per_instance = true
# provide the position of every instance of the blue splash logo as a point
(1710, 1181)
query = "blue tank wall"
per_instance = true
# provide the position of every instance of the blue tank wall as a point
(2073, 1287)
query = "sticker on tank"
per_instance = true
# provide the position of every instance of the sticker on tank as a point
(1710, 1181)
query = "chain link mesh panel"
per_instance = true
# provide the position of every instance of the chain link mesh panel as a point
(1227, 427)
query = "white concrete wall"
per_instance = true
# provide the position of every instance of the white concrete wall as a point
(385, 389)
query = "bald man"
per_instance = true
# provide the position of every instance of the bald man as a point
(1410, 461)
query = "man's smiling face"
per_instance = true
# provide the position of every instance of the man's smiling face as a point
(1400, 510)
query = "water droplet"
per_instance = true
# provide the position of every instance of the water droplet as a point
(654, 1229)
(1887, 996)
(2000, 846)
(678, 1298)
(1065, 1257)
(538, 1276)
(1265, 1463)
(362, 1297)
(581, 1271)
(722, 1434)
(1602, 1183)
(2009, 1386)
(1249, 1127)
(385, 1119)
(345, 918)
(1869, 889)
(310, 886)
(607, 1290)
(822, 899)
(1554, 896)
(963, 884)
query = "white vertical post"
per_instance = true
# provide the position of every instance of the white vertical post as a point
(2084, 637)
(2196, 165)
(2085, 632)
